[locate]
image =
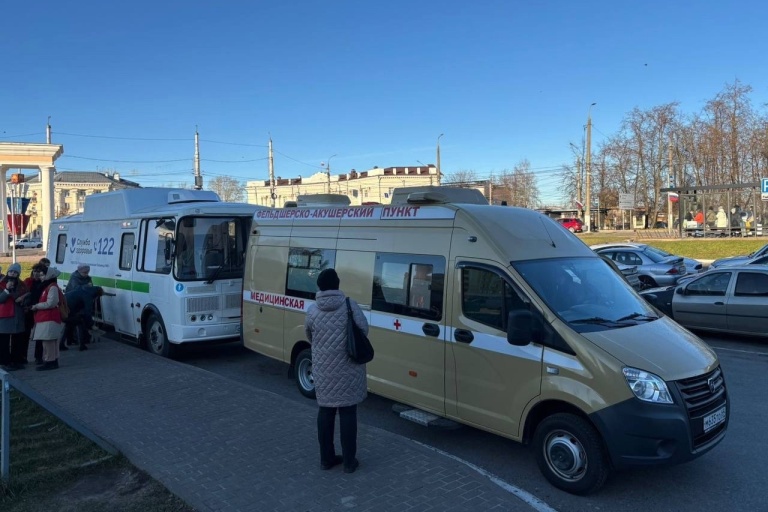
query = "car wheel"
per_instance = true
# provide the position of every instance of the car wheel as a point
(156, 336)
(570, 454)
(304, 379)
(572, 230)
(647, 282)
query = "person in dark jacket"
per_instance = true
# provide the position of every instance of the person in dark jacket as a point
(81, 303)
(79, 278)
(13, 345)
(340, 384)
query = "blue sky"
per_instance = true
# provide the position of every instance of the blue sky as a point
(374, 83)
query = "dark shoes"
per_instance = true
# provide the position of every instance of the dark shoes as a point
(352, 467)
(38, 362)
(335, 462)
(49, 365)
(83, 347)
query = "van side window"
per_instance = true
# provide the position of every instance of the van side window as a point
(61, 247)
(126, 251)
(304, 265)
(487, 298)
(407, 284)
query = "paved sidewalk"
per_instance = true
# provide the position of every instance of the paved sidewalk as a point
(225, 446)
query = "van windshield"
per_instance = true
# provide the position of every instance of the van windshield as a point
(586, 293)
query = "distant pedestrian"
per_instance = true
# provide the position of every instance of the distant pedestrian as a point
(79, 278)
(340, 384)
(722, 218)
(711, 218)
(48, 325)
(13, 345)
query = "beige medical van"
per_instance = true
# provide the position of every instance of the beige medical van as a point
(497, 318)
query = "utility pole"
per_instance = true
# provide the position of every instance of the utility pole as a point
(328, 172)
(198, 176)
(588, 202)
(48, 131)
(271, 175)
(438, 160)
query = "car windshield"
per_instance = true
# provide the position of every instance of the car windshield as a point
(209, 248)
(586, 293)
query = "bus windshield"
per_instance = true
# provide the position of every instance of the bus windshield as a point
(210, 248)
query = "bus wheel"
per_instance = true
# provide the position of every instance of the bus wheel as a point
(304, 378)
(157, 340)
(570, 453)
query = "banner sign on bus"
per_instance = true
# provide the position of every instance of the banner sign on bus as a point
(396, 212)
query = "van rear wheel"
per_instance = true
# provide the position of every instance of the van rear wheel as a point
(304, 379)
(570, 453)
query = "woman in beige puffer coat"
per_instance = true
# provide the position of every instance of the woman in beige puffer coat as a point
(339, 382)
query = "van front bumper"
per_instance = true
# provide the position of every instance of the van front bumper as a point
(638, 433)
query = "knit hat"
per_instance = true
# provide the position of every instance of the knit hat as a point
(15, 267)
(83, 268)
(328, 280)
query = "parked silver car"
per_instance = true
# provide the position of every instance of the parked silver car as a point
(740, 260)
(692, 266)
(653, 269)
(729, 299)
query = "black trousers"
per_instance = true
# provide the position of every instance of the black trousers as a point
(19, 347)
(326, 421)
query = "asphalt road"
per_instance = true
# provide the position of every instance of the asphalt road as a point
(730, 477)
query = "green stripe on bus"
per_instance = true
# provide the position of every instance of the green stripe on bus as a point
(120, 284)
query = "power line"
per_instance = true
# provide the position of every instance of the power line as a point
(22, 135)
(234, 143)
(120, 138)
(127, 161)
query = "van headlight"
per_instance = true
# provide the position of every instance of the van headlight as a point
(647, 386)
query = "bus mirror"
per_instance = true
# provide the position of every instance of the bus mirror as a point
(167, 251)
(523, 327)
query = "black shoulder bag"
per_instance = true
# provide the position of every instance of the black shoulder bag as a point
(359, 347)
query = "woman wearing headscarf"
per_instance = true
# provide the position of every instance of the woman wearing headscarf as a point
(48, 325)
(79, 278)
(340, 383)
(13, 345)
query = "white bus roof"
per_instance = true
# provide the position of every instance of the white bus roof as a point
(127, 203)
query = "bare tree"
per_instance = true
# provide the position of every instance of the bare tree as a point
(518, 187)
(461, 176)
(229, 189)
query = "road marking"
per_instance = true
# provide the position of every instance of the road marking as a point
(739, 350)
(525, 496)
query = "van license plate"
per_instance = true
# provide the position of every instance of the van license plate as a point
(714, 419)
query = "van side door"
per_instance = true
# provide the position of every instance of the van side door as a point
(407, 329)
(493, 380)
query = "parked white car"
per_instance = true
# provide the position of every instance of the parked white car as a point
(27, 243)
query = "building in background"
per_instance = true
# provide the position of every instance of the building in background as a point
(371, 186)
(70, 189)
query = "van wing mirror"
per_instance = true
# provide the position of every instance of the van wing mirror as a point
(523, 327)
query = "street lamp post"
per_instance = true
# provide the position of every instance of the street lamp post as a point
(588, 200)
(328, 172)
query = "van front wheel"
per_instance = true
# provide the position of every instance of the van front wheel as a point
(304, 379)
(570, 453)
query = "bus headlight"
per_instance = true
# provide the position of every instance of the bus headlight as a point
(647, 386)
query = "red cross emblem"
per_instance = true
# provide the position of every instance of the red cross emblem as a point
(397, 324)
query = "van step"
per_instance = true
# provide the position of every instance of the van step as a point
(424, 418)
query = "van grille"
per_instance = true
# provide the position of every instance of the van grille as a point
(232, 301)
(703, 395)
(200, 304)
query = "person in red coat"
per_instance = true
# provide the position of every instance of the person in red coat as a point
(48, 324)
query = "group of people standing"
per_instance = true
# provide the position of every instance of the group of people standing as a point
(30, 311)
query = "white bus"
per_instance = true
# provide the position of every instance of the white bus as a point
(173, 259)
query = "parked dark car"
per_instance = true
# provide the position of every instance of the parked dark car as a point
(740, 260)
(730, 299)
